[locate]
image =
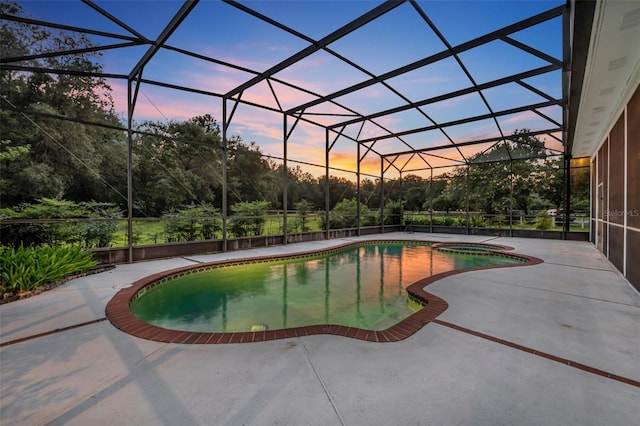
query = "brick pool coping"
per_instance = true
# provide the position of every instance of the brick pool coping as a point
(118, 310)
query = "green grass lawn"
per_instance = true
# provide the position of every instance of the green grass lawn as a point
(147, 232)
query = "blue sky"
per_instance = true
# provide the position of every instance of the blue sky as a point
(218, 30)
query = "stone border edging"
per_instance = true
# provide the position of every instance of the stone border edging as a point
(118, 310)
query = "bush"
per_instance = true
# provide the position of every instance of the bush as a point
(192, 223)
(500, 220)
(248, 218)
(542, 221)
(300, 224)
(98, 233)
(24, 269)
(29, 234)
(478, 222)
(393, 213)
(345, 215)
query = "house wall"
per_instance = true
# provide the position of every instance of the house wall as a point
(615, 189)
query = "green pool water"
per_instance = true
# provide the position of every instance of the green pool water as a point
(360, 287)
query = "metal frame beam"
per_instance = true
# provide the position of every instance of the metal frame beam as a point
(463, 121)
(63, 27)
(77, 73)
(319, 45)
(457, 93)
(475, 142)
(180, 15)
(526, 23)
(115, 20)
(70, 52)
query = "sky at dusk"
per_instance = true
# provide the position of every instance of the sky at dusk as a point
(401, 36)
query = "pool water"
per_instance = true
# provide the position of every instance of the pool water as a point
(360, 287)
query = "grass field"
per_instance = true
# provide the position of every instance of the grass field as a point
(148, 232)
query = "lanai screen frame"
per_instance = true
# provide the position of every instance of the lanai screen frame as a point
(293, 116)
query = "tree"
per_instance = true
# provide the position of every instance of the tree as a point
(193, 223)
(340, 189)
(345, 215)
(59, 158)
(303, 208)
(414, 192)
(304, 186)
(251, 176)
(176, 164)
(248, 218)
(503, 176)
(370, 193)
(549, 182)
(393, 213)
(446, 192)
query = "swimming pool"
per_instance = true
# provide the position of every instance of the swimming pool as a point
(364, 290)
(466, 248)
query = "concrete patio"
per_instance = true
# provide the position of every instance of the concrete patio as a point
(534, 346)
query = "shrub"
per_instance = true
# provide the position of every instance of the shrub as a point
(29, 234)
(248, 218)
(303, 208)
(345, 215)
(542, 221)
(393, 213)
(192, 223)
(478, 221)
(98, 233)
(24, 269)
(500, 220)
(420, 220)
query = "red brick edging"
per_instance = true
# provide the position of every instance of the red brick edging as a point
(118, 310)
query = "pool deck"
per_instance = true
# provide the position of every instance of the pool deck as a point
(556, 343)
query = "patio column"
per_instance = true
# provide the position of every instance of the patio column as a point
(285, 180)
(431, 202)
(132, 97)
(358, 190)
(511, 198)
(327, 200)
(382, 194)
(130, 108)
(401, 199)
(466, 186)
(225, 126)
(567, 194)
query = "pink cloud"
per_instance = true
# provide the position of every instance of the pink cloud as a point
(155, 103)
(521, 117)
